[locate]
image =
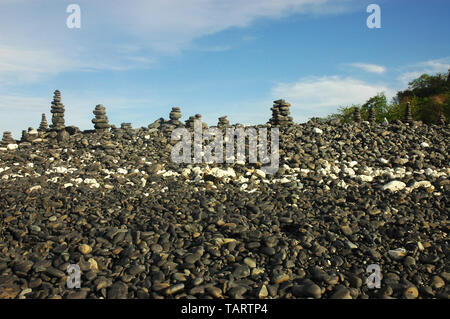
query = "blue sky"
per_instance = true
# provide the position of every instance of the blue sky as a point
(214, 57)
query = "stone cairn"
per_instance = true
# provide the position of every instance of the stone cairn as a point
(281, 114)
(442, 119)
(357, 115)
(191, 120)
(175, 116)
(30, 135)
(44, 125)
(371, 117)
(101, 120)
(408, 115)
(7, 139)
(126, 126)
(24, 137)
(223, 122)
(57, 110)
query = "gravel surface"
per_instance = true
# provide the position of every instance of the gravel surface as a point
(141, 226)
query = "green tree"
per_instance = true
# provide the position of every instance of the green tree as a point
(379, 103)
(429, 96)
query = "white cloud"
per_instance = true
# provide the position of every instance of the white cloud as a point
(429, 67)
(39, 43)
(372, 68)
(319, 96)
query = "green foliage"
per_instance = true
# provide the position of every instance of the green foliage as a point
(345, 114)
(426, 86)
(379, 103)
(429, 97)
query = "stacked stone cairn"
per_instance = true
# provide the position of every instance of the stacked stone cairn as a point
(7, 139)
(101, 120)
(408, 114)
(57, 110)
(357, 115)
(44, 125)
(371, 117)
(281, 114)
(58, 123)
(442, 119)
(191, 120)
(175, 116)
(30, 135)
(223, 122)
(126, 126)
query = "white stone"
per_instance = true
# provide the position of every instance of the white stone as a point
(77, 180)
(122, 171)
(366, 178)
(260, 173)
(60, 170)
(394, 186)
(317, 130)
(425, 184)
(353, 163)
(92, 182)
(397, 254)
(186, 172)
(170, 173)
(349, 171)
(383, 161)
(12, 147)
(424, 144)
(68, 185)
(304, 171)
(35, 188)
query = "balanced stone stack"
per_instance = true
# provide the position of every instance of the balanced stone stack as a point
(371, 117)
(101, 120)
(442, 119)
(58, 123)
(30, 135)
(408, 115)
(44, 125)
(7, 139)
(175, 116)
(357, 115)
(190, 122)
(281, 114)
(223, 122)
(126, 126)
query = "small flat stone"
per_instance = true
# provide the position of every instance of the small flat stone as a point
(84, 249)
(411, 292)
(174, 289)
(118, 290)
